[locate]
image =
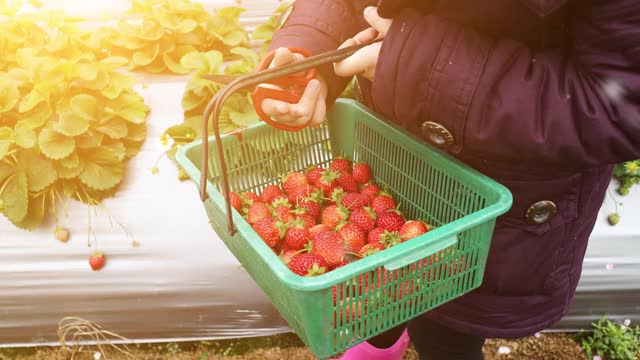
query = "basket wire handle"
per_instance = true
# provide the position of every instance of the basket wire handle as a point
(214, 107)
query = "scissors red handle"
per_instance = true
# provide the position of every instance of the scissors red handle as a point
(293, 86)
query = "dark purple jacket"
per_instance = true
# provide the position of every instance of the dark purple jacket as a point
(541, 95)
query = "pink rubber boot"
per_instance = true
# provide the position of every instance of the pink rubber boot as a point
(366, 351)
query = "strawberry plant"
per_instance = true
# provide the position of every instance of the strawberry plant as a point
(68, 120)
(612, 341)
(163, 32)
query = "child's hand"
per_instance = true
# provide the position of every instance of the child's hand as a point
(364, 61)
(312, 104)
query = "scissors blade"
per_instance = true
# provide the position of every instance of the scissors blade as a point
(221, 79)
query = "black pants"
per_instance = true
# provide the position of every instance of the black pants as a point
(433, 341)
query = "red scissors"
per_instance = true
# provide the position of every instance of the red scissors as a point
(293, 86)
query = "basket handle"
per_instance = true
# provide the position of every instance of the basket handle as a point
(214, 107)
(421, 253)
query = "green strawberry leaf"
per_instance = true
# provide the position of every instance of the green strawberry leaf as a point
(102, 169)
(35, 213)
(114, 128)
(25, 136)
(71, 124)
(6, 139)
(55, 145)
(15, 197)
(9, 94)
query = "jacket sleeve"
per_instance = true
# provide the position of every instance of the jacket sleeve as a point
(322, 25)
(505, 102)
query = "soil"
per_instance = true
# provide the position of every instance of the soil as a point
(548, 346)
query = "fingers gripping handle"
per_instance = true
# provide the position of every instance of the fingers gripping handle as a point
(214, 107)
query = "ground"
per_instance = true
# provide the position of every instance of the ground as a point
(547, 346)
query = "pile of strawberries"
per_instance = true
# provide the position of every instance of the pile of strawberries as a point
(323, 219)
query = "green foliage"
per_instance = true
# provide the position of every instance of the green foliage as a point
(612, 341)
(628, 174)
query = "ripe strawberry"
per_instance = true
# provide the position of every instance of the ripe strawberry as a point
(341, 164)
(370, 190)
(296, 236)
(287, 255)
(412, 229)
(327, 181)
(376, 236)
(361, 173)
(308, 265)
(354, 201)
(250, 197)
(364, 217)
(236, 201)
(318, 230)
(348, 183)
(305, 216)
(333, 214)
(282, 210)
(298, 195)
(330, 246)
(336, 196)
(383, 202)
(391, 220)
(270, 230)
(97, 260)
(353, 235)
(293, 182)
(312, 206)
(391, 238)
(313, 174)
(370, 249)
(270, 193)
(258, 211)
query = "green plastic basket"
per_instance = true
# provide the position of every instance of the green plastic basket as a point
(351, 304)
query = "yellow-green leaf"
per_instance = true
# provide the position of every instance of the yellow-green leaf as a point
(232, 12)
(235, 37)
(246, 54)
(39, 170)
(71, 124)
(65, 172)
(31, 100)
(119, 83)
(146, 55)
(118, 149)
(85, 106)
(88, 140)
(194, 61)
(113, 62)
(55, 145)
(186, 26)
(6, 139)
(129, 106)
(10, 7)
(102, 170)
(37, 206)
(263, 32)
(114, 128)
(70, 161)
(5, 171)
(9, 94)
(25, 136)
(172, 59)
(137, 132)
(15, 197)
(38, 116)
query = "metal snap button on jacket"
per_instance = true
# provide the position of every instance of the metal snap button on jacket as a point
(541, 212)
(437, 134)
